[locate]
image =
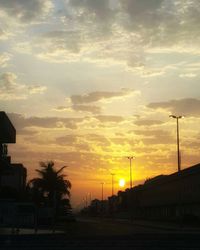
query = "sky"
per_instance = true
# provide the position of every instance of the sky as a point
(87, 83)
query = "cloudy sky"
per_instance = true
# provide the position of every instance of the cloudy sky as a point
(87, 83)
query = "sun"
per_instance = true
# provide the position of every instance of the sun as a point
(121, 182)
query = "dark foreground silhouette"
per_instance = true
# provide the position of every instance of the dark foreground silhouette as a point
(90, 233)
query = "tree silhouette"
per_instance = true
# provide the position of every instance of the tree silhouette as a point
(50, 187)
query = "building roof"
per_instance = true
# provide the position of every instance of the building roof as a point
(7, 130)
(162, 179)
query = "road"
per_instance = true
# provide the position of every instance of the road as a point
(88, 233)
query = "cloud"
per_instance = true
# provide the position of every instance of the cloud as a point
(27, 132)
(112, 32)
(159, 140)
(86, 108)
(145, 12)
(4, 59)
(187, 75)
(96, 139)
(144, 122)
(187, 106)
(195, 144)
(2, 34)
(68, 40)
(21, 122)
(155, 136)
(149, 23)
(79, 108)
(151, 133)
(36, 89)
(68, 140)
(101, 9)
(25, 10)
(11, 90)
(84, 103)
(109, 118)
(99, 96)
(61, 108)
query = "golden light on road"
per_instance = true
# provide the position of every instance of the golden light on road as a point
(121, 182)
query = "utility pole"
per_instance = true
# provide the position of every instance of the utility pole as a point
(178, 144)
(130, 159)
(112, 174)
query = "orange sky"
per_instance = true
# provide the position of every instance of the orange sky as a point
(88, 83)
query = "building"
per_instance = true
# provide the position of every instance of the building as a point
(12, 175)
(7, 130)
(164, 197)
(170, 197)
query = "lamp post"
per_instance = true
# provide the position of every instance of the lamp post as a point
(112, 174)
(130, 159)
(178, 146)
(90, 197)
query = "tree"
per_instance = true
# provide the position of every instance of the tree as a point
(51, 184)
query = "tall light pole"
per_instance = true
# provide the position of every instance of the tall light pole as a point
(90, 197)
(178, 146)
(130, 159)
(112, 174)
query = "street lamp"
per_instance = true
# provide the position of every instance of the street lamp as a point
(178, 147)
(130, 159)
(90, 197)
(112, 174)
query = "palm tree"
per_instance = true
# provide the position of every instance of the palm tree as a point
(51, 183)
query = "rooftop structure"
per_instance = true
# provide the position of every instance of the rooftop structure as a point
(7, 130)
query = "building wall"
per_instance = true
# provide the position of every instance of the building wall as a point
(14, 176)
(171, 197)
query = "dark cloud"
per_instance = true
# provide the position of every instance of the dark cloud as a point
(154, 133)
(156, 136)
(142, 11)
(109, 118)
(87, 108)
(83, 147)
(161, 23)
(20, 122)
(68, 140)
(25, 10)
(96, 139)
(61, 108)
(96, 9)
(195, 144)
(120, 32)
(97, 96)
(143, 122)
(187, 106)
(83, 159)
(80, 108)
(26, 132)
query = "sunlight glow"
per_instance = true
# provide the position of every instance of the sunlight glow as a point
(121, 182)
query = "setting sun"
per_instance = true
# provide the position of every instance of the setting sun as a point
(121, 182)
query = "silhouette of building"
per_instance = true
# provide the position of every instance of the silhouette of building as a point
(166, 197)
(12, 175)
(169, 197)
(7, 130)
(14, 211)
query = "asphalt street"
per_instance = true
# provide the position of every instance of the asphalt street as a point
(89, 233)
